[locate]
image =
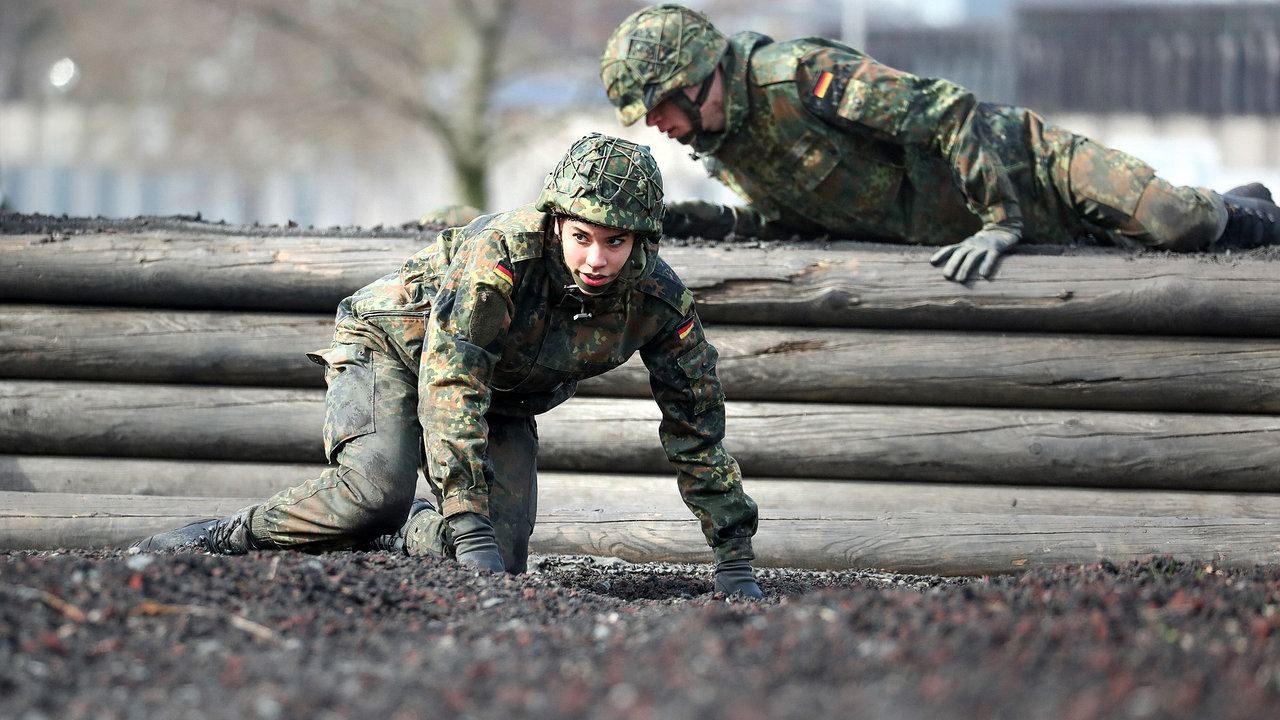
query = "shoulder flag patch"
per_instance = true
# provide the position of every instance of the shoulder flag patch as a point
(503, 275)
(824, 83)
(686, 327)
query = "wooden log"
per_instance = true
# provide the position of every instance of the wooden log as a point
(161, 421)
(71, 342)
(1107, 372)
(835, 284)
(852, 284)
(148, 476)
(48, 521)
(197, 269)
(901, 443)
(946, 368)
(602, 492)
(936, 543)
(932, 543)
(860, 442)
(814, 498)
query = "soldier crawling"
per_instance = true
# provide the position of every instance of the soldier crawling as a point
(443, 364)
(820, 139)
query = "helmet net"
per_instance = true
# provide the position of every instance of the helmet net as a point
(607, 181)
(653, 53)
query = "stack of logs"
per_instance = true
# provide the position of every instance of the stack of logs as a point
(1084, 405)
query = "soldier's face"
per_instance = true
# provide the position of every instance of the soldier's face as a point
(671, 120)
(713, 106)
(595, 254)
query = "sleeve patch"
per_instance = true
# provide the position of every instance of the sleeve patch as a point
(686, 327)
(824, 84)
(488, 318)
(503, 277)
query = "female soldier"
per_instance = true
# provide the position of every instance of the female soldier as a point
(444, 363)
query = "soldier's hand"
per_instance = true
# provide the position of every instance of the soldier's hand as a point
(981, 251)
(735, 577)
(474, 542)
(698, 218)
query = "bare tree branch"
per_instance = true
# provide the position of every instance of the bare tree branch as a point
(281, 82)
(464, 123)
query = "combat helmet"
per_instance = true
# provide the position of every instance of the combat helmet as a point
(655, 52)
(607, 181)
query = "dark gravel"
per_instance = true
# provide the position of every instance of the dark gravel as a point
(106, 634)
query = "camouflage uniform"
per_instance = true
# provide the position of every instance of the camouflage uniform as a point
(460, 348)
(443, 364)
(821, 138)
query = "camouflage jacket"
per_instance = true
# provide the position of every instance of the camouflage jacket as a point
(821, 138)
(491, 319)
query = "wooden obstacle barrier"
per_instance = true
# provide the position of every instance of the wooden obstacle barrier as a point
(833, 440)
(1085, 405)
(800, 364)
(818, 284)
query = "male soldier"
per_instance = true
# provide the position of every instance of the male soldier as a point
(444, 363)
(819, 139)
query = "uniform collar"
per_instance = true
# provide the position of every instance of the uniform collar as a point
(734, 67)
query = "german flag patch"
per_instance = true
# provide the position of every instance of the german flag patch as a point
(824, 84)
(503, 276)
(686, 327)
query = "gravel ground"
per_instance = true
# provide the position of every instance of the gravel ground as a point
(109, 634)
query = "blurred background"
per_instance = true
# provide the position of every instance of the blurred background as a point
(373, 112)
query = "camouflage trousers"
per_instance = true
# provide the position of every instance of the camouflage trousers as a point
(1120, 195)
(374, 440)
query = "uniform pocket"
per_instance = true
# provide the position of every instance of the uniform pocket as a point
(1108, 177)
(860, 189)
(348, 404)
(880, 106)
(699, 366)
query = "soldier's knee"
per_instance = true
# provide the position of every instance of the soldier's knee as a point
(1178, 218)
(375, 504)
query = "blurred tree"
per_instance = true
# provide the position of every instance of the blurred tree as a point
(284, 82)
(436, 65)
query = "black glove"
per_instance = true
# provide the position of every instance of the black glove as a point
(474, 543)
(735, 577)
(982, 249)
(697, 218)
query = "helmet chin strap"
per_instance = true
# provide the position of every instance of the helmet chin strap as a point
(693, 108)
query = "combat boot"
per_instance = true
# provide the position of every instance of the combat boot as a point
(394, 542)
(1251, 223)
(1255, 190)
(224, 536)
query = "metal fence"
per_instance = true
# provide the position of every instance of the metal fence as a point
(1209, 60)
